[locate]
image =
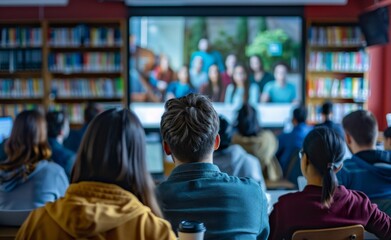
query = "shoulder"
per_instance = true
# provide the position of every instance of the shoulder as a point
(51, 173)
(269, 85)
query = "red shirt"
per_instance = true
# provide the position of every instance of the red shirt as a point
(303, 210)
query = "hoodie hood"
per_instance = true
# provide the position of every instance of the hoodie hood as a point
(90, 208)
(377, 161)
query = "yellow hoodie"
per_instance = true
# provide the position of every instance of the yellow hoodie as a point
(92, 210)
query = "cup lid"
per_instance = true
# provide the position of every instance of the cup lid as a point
(191, 227)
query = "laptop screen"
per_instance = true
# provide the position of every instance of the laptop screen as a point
(5, 128)
(154, 154)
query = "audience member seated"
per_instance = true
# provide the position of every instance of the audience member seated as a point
(74, 139)
(290, 143)
(27, 179)
(258, 74)
(322, 203)
(369, 170)
(233, 159)
(197, 76)
(230, 207)
(230, 63)
(111, 195)
(241, 90)
(258, 142)
(387, 139)
(214, 88)
(58, 129)
(327, 113)
(182, 86)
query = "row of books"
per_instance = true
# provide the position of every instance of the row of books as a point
(339, 61)
(339, 111)
(75, 112)
(15, 88)
(335, 36)
(87, 88)
(20, 60)
(14, 109)
(21, 37)
(356, 88)
(83, 35)
(85, 62)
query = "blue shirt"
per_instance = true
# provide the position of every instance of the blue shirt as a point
(280, 94)
(179, 89)
(230, 207)
(62, 156)
(336, 127)
(74, 139)
(236, 99)
(369, 172)
(47, 183)
(208, 59)
(289, 143)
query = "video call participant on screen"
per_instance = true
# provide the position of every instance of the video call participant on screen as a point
(230, 207)
(27, 178)
(209, 56)
(241, 90)
(214, 88)
(233, 159)
(197, 76)
(230, 63)
(259, 142)
(290, 143)
(111, 195)
(279, 90)
(387, 139)
(182, 86)
(162, 75)
(58, 130)
(322, 203)
(369, 170)
(327, 114)
(258, 74)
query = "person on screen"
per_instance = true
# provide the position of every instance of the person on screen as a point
(230, 207)
(209, 56)
(162, 74)
(182, 87)
(27, 178)
(233, 159)
(322, 203)
(387, 139)
(230, 63)
(259, 142)
(197, 76)
(369, 169)
(111, 195)
(58, 130)
(258, 74)
(241, 90)
(214, 88)
(279, 90)
(327, 114)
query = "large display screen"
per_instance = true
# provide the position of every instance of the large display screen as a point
(229, 59)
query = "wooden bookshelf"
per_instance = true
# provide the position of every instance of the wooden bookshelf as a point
(80, 61)
(337, 65)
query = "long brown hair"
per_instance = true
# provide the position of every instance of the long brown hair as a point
(113, 151)
(27, 144)
(246, 83)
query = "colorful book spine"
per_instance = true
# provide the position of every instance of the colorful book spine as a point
(339, 61)
(339, 111)
(356, 88)
(21, 88)
(335, 36)
(20, 37)
(14, 109)
(20, 60)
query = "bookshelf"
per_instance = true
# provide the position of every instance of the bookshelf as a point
(55, 64)
(337, 66)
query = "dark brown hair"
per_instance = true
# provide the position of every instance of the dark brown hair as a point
(27, 144)
(246, 84)
(325, 150)
(247, 121)
(113, 151)
(210, 92)
(362, 126)
(189, 126)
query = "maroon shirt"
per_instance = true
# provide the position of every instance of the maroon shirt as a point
(303, 210)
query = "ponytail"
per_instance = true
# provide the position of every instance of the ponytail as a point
(330, 183)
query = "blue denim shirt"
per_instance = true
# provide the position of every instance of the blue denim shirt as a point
(230, 207)
(62, 156)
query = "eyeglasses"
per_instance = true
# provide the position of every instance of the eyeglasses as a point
(301, 153)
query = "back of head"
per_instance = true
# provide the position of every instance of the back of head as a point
(325, 150)
(27, 144)
(362, 126)
(327, 108)
(113, 151)
(225, 133)
(300, 114)
(91, 111)
(189, 126)
(56, 121)
(247, 121)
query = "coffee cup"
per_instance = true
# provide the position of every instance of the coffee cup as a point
(191, 230)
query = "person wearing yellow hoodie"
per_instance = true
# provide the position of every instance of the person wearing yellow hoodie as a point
(111, 195)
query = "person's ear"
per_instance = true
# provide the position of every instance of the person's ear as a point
(217, 142)
(166, 148)
(348, 138)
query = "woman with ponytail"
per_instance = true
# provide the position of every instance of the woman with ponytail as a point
(322, 203)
